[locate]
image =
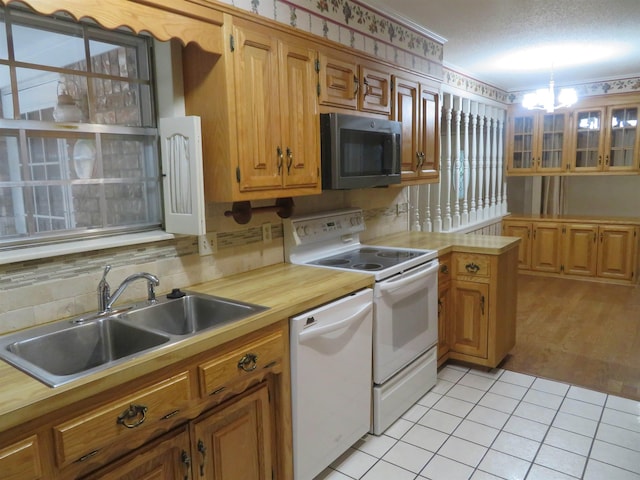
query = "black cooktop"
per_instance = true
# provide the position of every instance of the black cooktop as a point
(368, 258)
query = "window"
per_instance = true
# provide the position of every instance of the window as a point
(78, 138)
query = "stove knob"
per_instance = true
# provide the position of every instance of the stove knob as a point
(302, 231)
(356, 221)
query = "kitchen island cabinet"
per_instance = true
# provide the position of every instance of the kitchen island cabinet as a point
(478, 322)
(602, 249)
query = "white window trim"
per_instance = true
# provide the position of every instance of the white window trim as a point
(79, 246)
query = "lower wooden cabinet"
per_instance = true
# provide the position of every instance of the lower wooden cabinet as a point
(234, 424)
(594, 250)
(444, 307)
(478, 322)
(235, 441)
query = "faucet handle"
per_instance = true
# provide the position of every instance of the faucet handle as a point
(104, 291)
(107, 268)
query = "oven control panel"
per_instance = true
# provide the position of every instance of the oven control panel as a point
(317, 228)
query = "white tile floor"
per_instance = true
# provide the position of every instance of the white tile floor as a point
(501, 425)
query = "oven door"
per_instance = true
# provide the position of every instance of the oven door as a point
(405, 320)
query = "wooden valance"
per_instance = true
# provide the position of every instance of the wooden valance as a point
(184, 20)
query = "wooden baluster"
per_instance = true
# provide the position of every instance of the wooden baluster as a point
(503, 206)
(446, 171)
(456, 163)
(481, 160)
(426, 195)
(487, 167)
(465, 124)
(473, 216)
(494, 162)
(414, 192)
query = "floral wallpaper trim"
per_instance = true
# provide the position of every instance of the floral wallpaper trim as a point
(468, 84)
(590, 89)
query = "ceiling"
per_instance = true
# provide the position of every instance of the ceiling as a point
(514, 44)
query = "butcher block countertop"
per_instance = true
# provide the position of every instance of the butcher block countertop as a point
(286, 289)
(574, 219)
(449, 242)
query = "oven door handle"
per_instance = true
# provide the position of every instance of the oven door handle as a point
(311, 333)
(401, 281)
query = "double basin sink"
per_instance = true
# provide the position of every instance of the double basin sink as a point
(67, 350)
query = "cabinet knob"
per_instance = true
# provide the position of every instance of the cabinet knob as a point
(472, 267)
(134, 416)
(248, 362)
(444, 269)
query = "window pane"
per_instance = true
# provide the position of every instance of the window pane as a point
(86, 203)
(128, 157)
(50, 48)
(127, 204)
(116, 60)
(120, 103)
(3, 38)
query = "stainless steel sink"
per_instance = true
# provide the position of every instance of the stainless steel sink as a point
(67, 350)
(190, 314)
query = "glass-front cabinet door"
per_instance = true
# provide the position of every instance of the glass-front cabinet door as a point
(538, 142)
(588, 140)
(622, 145)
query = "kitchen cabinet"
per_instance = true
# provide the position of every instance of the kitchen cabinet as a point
(537, 142)
(347, 83)
(483, 306)
(235, 441)
(21, 460)
(198, 413)
(416, 105)
(540, 248)
(260, 118)
(444, 307)
(604, 251)
(597, 249)
(605, 139)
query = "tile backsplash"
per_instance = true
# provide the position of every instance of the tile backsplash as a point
(40, 291)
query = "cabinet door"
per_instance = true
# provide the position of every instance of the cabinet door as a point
(406, 110)
(21, 460)
(616, 252)
(553, 142)
(338, 82)
(375, 91)
(470, 304)
(515, 228)
(546, 247)
(521, 147)
(260, 153)
(235, 441)
(623, 140)
(166, 459)
(587, 140)
(580, 253)
(300, 119)
(429, 133)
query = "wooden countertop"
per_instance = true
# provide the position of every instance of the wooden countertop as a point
(576, 219)
(449, 242)
(286, 289)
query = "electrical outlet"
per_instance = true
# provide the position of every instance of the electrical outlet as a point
(402, 208)
(266, 232)
(207, 244)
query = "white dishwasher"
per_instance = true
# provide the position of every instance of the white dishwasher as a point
(330, 381)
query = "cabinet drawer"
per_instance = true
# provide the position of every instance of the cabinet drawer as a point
(472, 265)
(241, 362)
(21, 460)
(84, 436)
(444, 271)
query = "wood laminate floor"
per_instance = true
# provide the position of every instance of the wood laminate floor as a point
(579, 332)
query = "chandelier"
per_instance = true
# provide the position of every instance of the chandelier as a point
(545, 98)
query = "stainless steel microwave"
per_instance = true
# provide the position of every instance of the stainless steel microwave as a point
(359, 152)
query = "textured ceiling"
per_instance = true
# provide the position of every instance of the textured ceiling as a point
(514, 44)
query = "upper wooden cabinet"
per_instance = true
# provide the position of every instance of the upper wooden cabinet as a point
(260, 118)
(347, 83)
(605, 139)
(536, 142)
(416, 105)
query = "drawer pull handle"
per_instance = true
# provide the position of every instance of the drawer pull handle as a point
(186, 461)
(87, 456)
(444, 269)
(472, 267)
(135, 412)
(203, 451)
(248, 362)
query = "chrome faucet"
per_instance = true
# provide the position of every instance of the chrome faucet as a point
(106, 300)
